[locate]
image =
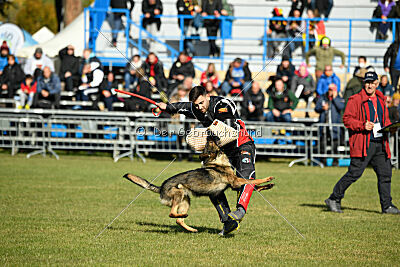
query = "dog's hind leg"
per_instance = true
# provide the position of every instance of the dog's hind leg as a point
(177, 198)
(183, 209)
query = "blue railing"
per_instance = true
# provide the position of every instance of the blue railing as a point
(224, 19)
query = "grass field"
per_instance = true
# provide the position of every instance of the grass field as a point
(52, 210)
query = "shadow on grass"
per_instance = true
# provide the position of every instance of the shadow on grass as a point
(168, 228)
(325, 208)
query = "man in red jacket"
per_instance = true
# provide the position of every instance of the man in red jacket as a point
(364, 116)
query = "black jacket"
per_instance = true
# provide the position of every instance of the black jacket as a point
(185, 7)
(12, 75)
(186, 69)
(161, 81)
(391, 53)
(68, 63)
(255, 99)
(122, 4)
(137, 104)
(289, 72)
(147, 8)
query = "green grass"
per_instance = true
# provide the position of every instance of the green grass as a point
(52, 210)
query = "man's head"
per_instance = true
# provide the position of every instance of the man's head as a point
(200, 99)
(11, 60)
(285, 61)
(152, 58)
(384, 80)
(136, 58)
(182, 92)
(279, 85)
(389, 101)
(237, 62)
(38, 53)
(86, 53)
(296, 13)
(183, 56)
(310, 14)
(303, 70)
(332, 90)
(396, 99)
(362, 61)
(110, 77)
(328, 70)
(188, 83)
(46, 72)
(255, 87)
(70, 50)
(28, 79)
(5, 50)
(371, 82)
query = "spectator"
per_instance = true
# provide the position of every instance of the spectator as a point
(88, 57)
(363, 64)
(115, 18)
(316, 29)
(226, 25)
(395, 14)
(182, 68)
(69, 70)
(354, 85)
(27, 92)
(4, 52)
(187, 84)
(154, 70)
(299, 5)
(237, 78)
(330, 106)
(382, 11)
(108, 94)
(285, 70)
(187, 7)
(212, 8)
(393, 111)
(144, 89)
(276, 30)
(48, 90)
(210, 89)
(130, 77)
(281, 103)
(91, 82)
(36, 64)
(394, 66)
(385, 87)
(293, 29)
(253, 103)
(395, 104)
(11, 78)
(324, 55)
(210, 75)
(326, 80)
(303, 84)
(150, 9)
(322, 7)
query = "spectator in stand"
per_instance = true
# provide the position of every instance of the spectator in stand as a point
(303, 84)
(393, 111)
(212, 8)
(237, 78)
(324, 55)
(299, 5)
(210, 89)
(154, 71)
(285, 70)
(116, 18)
(392, 54)
(253, 103)
(326, 81)
(382, 11)
(385, 87)
(281, 103)
(150, 9)
(88, 57)
(316, 29)
(330, 106)
(363, 64)
(130, 77)
(395, 106)
(4, 52)
(187, 7)
(293, 29)
(322, 7)
(210, 75)
(11, 78)
(276, 30)
(91, 84)
(48, 90)
(36, 64)
(355, 84)
(108, 94)
(144, 89)
(182, 68)
(69, 70)
(27, 93)
(395, 14)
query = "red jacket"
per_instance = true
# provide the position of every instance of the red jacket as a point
(28, 89)
(354, 118)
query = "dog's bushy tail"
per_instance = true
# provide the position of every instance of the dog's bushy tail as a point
(142, 182)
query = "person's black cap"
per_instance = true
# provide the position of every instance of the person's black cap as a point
(370, 76)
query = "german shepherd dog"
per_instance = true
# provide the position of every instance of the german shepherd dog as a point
(215, 176)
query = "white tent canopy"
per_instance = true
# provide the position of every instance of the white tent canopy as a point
(43, 35)
(72, 34)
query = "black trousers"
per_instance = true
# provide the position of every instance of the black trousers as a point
(376, 155)
(243, 159)
(394, 75)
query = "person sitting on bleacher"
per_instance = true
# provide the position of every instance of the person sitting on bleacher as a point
(27, 92)
(92, 77)
(303, 84)
(48, 90)
(87, 58)
(182, 68)
(210, 75)
(108, 94)
(210, 89)
(281, 102)
(285, 70)
(237, 78)
(326, 80)
(4, 52)
(154, 69)
(69, 70)
(11, 78)
(253, 103)
(130, 77)
(385, 87)
(144, 88)
(36, 63)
